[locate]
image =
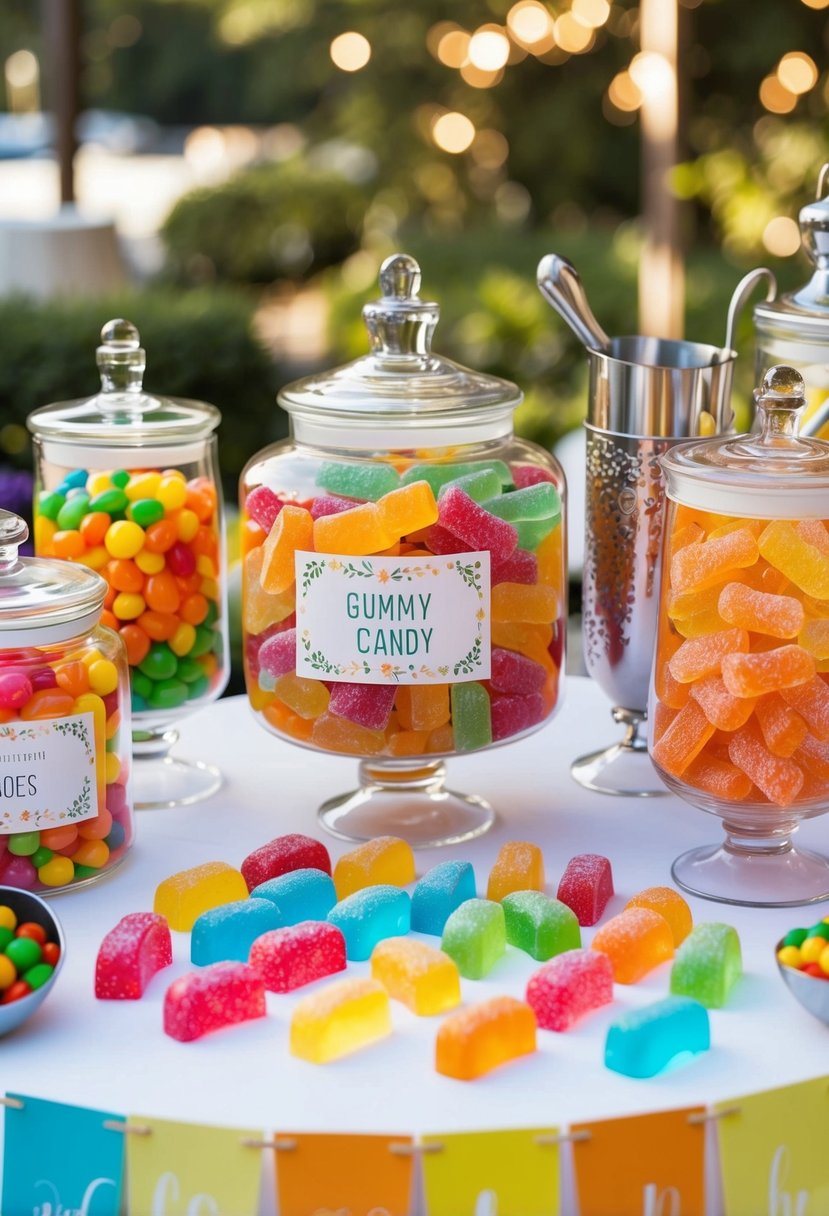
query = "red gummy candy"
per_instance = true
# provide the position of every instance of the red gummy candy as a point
(520, 567)
(368, 705)
(130, 955)
(586, 886)
(263, 506)
(476, 526)
(280, 856)
(442, 541)
(569, 986)
(277, 656)
(222, 994)
(524, 475)
(297, 955)
(255, 641)
(511, 715)
(330, 504)
(515, 673)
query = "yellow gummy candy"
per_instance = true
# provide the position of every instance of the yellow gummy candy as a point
(423, 707)
(183, 897)
(337, 734)
(342, 1018)
(519, 866)
(354, 533)
(408, 509)
(534, 605)
(783, 547)
(425, 979)
(387, 859)
(293, 529)
(260, 609)
(308, 698)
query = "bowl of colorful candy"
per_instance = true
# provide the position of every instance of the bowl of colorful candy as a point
(32, 947)
(803, 959)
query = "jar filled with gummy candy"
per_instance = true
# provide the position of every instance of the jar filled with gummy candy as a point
(65, 800)
(739, 709)
(128, 485)
(404, 590)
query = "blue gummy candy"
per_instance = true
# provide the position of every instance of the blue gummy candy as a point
(229, 931)
(438, 893)
(645, 1041)
(370, 915)
(116, 836)
(299, 895)
(76, 478)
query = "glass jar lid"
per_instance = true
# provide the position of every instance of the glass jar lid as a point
(401, 382)
(43, 600)
(122, 414)
(804, 314)
(771, 473)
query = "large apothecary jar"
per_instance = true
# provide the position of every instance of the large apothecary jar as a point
(65, 802)
(739, 709)
(404, 593)
(128, 485)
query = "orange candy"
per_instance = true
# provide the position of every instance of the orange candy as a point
(161, 592)
(720, 707)
(97, 828)
(48, 703)
(751, 675)
(683, 740)
(73, 678)
(635, 941)
(159, 626)
(68, 544)
(161, 536)
(480, 1037)
(93, 528)
(780, 615)
(811, 700)
(783, 728)
(778, 778)
(706, 563)
(718, 778)
(194, 608)
(703, 656)
(137, 642)
(124, 575)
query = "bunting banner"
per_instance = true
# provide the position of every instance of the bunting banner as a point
(357, 1175)
(642, 1165)
(60, 1159)
(509, 1173)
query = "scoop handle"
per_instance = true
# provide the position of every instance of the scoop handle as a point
(559, 283)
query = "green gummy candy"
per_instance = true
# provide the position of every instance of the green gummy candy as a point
(471, 718)
(533, 502)
(38, 975)
(540, 926)
(189, 670)
(159, 664)
(479, 486)
(198, 688)
(370, 480)
(205, 638)
(85, 872)
(531, 532)
(821, 929)
(120, 478)
(212, 613)
(168, 694)
(24, 844)
(49, 504)
(146, 511)
(475, 937)
(141, 685)
(707, 965)
(41, 856)
(6, 936)
(24, 952)
(72, 512)
(439, 475)
(795, 937)
(112, 501)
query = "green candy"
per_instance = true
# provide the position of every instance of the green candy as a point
(159, 664)
(540, 926)
(212, 613)
(168, 694)
(85, 872)
(821, 929)
(480, 486)
(120, 478)
(24, 844)
(112, 501)
(531, 532)
(540, 501)
(707, 965)
(141, 685)
(198, 688)
(471, 716)
(795, 937)
(24, 952)
(189, 670)
(6, 936)
(203, 643)
(49, 503)
(367, 480)
(41, 856)
(439, 475)
(72, 512)
(475, 937)
(38, 975)
(146, 511)
(112, 744)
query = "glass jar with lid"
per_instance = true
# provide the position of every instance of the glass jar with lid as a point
(739, 708)
(128, 485)
(65, 802)
(404, 592)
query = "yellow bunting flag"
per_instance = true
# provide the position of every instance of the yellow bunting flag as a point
(510, 1173)
(178, 1169)
(333, 1175)
(773, 1151)
(643, 1165)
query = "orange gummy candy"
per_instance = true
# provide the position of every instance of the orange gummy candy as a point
(778, 778)
(669, 691)
(353, 533)
(751, 675)
(668, 903)
(706, 563)
(703, 656)
(783, 728)
(814, 756)
(688, 534)
(780, 615)
(480, 1037)
(408, 509)
(722, 708)
(423, 707)
(635, 941)
(293, 529)
(719, 778)
(519, 866)
(683, 740)
(814, 637)
(814, 533)
(534, 605)
(811, 700)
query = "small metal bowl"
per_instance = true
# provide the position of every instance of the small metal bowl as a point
(812, 993)
(28, 907)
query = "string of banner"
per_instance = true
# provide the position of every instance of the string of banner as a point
(71, 1159)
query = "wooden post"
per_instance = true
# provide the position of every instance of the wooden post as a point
(62, 25)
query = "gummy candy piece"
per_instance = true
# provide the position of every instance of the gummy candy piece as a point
(283, 854)
(783, 728)
(519, 567)
(482, 484)
(751, 675)
(778, 778)
(643, 1042)
(367, 705)
(586, 886)
(814, 531)
(636, 941)
(684, 536)
(811, 700)
(669, 691)
(297, 955)
(475, 526)
(802, 563)
(708, 965)
(386, 859)
(530, 503)
(683, 740)
(308, 698)
(423, 978)
(814, 756)
(719, 778)
(814, 637)
(471, 716)
(705, 563)
(570, 986)
(536, 605)
(329, 504)
(533, 641)
(408, 509)
(369, 480)
(529, 475)
(263, 506)
(438, 893)
(130, 955)
(780, 615)
(339, 735)
(354, 533)
(687, 604)
(292, 530)
(443, 542)
(515, 673)
(343, 1017)
(700, 624)
(667, 903)
(220, 995)
(481, 1037)
(511, 715)
(475, 937)
(439, 475)
(229, 932)
(540, 926)
(260, 610)
(423, 707)
(184, 896)
(519, 866)
(306, 894)
(277, 654)
(368, 916)
(703, 656)
(720, 707)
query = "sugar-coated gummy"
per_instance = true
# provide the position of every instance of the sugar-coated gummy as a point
(708, 964)
(519, 866)
(130, 955)
(366, 479)
(438, 893)
(670, 904)
(299, 895)
(367, 705)
(538, 925)
(386, 859)
(343, 1017)
(471, 716)
(228, 932)
(475, 937)
(368, 916)
(587, 886)
(474, 525)
(200, 1002)
(282, 855)
(184, 896)
(643, 1042)
(568, 987)
(636, 941)
(424, 979)
(297, 955)
(478, 1038)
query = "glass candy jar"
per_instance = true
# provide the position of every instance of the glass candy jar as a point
(65, 803)
(128, 485)
(404, 593)
(739, 710)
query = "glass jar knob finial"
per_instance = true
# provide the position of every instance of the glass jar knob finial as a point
(121, 361)
(400, 276)
(781, 396)
(400, 325)
(13, 532)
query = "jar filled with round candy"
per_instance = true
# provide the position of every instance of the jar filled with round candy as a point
(739, 709)
(128, 486)
(404, 590)
(65, 800)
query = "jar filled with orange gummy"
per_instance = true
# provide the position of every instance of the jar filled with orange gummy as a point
(65, 802)
(739, 710)
(404, 590)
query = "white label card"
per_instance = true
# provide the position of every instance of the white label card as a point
(401, 620)
(47, 773)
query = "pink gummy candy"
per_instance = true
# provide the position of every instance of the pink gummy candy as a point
(569, 986)
(515, 673)
(130, 955)
(330, 504)
(520, 567)
(280, 856)
(524, 475)
(443, 542)
(263, 506)
(475, 525)
(586, 886)
(210, 998)
(368, 705)
(255, 641)
(297, 955)
(277, 656)
(510, 715)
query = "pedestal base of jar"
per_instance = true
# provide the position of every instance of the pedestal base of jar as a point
(623, 769)
(161, 781)
(782, 877)
(397, 799)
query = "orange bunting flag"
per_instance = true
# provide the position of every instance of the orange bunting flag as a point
(361, 1175)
